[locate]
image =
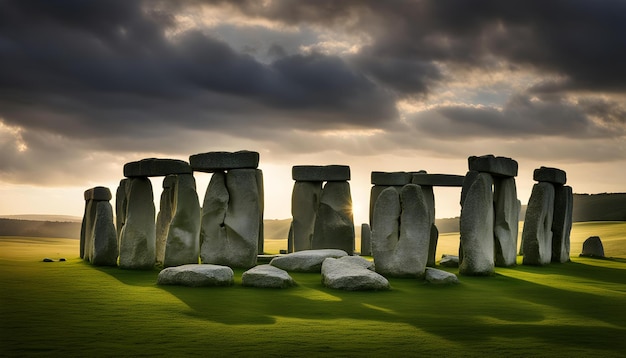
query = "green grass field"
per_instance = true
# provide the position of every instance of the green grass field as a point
(74, 309)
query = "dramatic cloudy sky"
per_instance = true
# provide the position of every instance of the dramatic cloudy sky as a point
(86, 86)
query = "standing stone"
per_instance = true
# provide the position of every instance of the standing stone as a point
(92, 196)
(164, 217)
(121, 202)
(400, 232)
(429, 196)
(469, 179)
(506, 221)
(83, 230)
(138, 236)
(305, 201)
(537, 232)
(476, 254)
(562, 223)
(182, 244)
(104, 248)
(230, 223)
(261, 190)
(366, 242)
(384, 180)
(334, 223)
(592, 247)
(290, 238)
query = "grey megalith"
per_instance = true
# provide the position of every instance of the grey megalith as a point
(182, 244)
(156, 167)
(537, 232)
(164, 217)
(213, 162)
(104, 249)
(138, 235)
(305, 200)
(506, 224)
(562, 223)
(334, 223)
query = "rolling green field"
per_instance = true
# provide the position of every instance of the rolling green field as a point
(74, 309)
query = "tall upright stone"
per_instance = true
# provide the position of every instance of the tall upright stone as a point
(334, 223)
(164, 217)
(366, 241)
(506, 224)
(384, 180)
(121, 203)
(562, 223)
(182, 244)
(104, 249)
(476, 253)
(537, 232)
(400, 232)
(261, 191)
(305, 200)
(138, 235)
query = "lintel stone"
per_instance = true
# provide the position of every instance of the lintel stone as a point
(438, 180)
(550, 175)
(498, 166)
(154, 167)
(320, 172)
(98, 193)
(391, 178)
(212, 162)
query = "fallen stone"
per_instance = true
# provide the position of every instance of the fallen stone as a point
(305, 200)
(449, 261)
(476, 253)
(104, 249)
(213, 162)
(138, 235)
(266, 276)
(334, 223)
(182, 243)
(496, 166)
(550, 175)
(98, 193)
(358, 261)
(592, 247)
(348, 274)
(390, 178)
(62, 259)
(154, 167)
(440, 277)
(196, 276)
(537, 232)
(320, 172)
(366, 243)
(447, 180)
(47, 259)
(306, 261)
(506, 225)
(562, 223)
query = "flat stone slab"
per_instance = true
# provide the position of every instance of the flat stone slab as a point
(391, 178)
(351, 273)
(212, 162)
(155, 167)
(195, 275)
(449, 261)
(266, 276)
(450, 180)
(550, 175)
(320, 172)
(98, 193)
(306, 260)
(440, 277)
(498, 166)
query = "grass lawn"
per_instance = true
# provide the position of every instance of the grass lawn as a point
(74, 309)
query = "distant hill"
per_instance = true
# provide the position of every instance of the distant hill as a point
(40, 217)
(600, 207)
(12, 227)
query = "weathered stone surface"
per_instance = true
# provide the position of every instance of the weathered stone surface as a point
(374, 193)
(196, 275)
(366, 242)
(592, 247)
(358, 261)
(306, 261)
(449, 261)
(537, 232)
(550, 175)
(401, 250)
(121, 202)
(230, 219)
(267, 276)
(438, 179)
(83, 231)
(261, 191)
(476, 250)
(496, 166)
(390, 178)
(469, 179)
(440, 277)
(429, 196)
(98, 193)
(320, 172)
(506, 221)
(104, 248)
(213, 162)
(347, 274)
(290, 239)
(164, 217)
(89, 221)
(305, 200)
(432, 246)
(182, 245)
(155, 167)
(562, 223)
(334, 223)
(138, 236)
